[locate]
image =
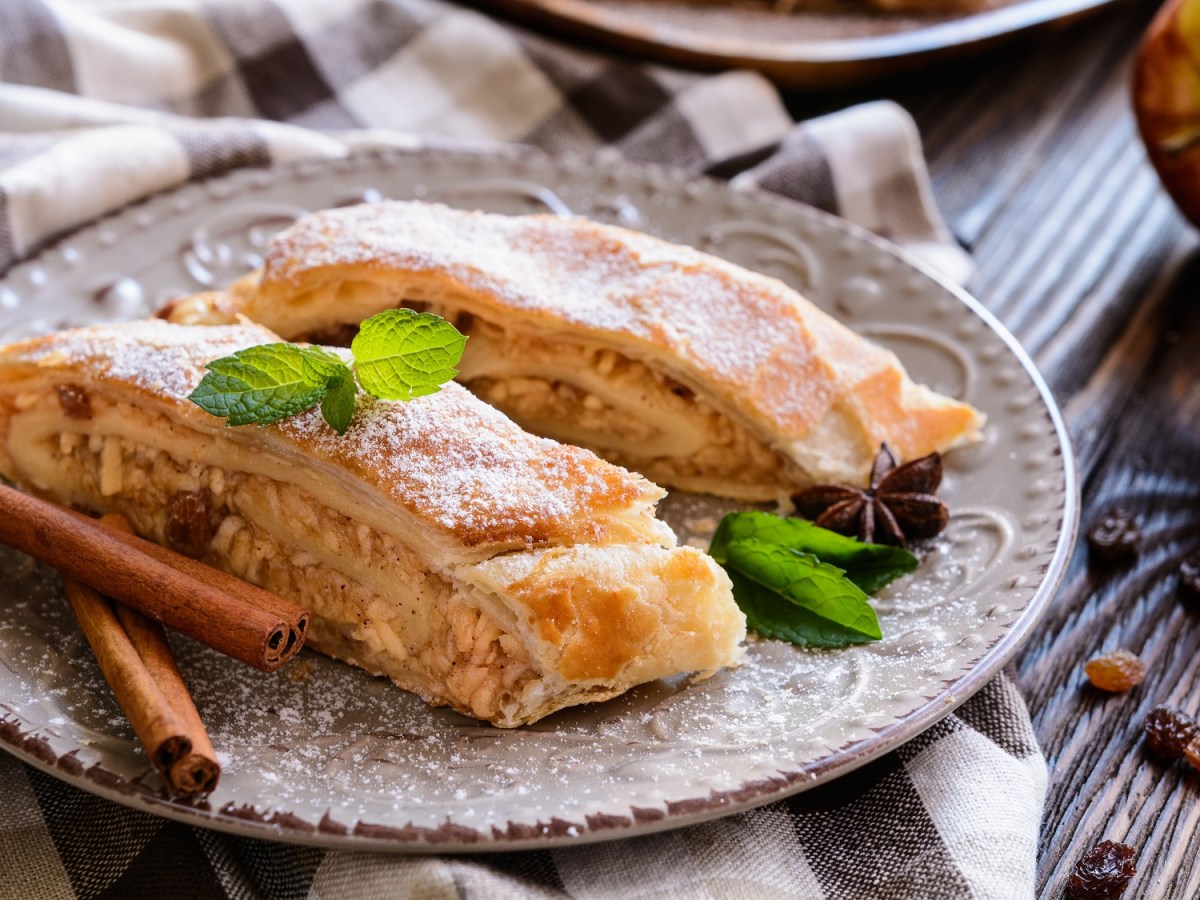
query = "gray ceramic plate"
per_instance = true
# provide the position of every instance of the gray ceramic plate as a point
(324, 754)
(838, 43)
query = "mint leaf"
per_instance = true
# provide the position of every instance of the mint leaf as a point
(804, 581)
(870, 566)
(262, 384)
(805, 584)
(328, 365)
(400, 354)
(270, 382)
(773, 616)
(338, 404)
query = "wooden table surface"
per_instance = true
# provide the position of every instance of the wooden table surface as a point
(1038, 168)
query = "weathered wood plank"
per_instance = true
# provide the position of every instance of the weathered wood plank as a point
(1037, 165)
(1092, 408)
(1103, 783)
(1007, 138)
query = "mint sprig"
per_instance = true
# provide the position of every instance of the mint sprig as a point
(801, 583)
(264, 384)
(398, 355)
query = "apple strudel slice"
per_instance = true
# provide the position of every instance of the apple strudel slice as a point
(436, 542)
(693, 371)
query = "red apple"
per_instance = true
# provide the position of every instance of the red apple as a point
(1166, 100)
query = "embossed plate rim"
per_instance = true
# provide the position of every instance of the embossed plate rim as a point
(751, 793)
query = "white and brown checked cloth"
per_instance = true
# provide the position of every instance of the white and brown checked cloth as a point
(103, 103)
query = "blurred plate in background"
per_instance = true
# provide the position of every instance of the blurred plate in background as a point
(837, 46)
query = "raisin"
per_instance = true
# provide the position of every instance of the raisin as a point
(1192, 753)
(678, 388)
(1102, 873)
(1114, 536)
(1189, 573)
(1169, 731)
(74, 400)
(189, 525)
(1115, 671)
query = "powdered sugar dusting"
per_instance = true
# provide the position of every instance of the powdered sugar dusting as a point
(448, 458)
(730, 326)
(167, 360)
(468, 467)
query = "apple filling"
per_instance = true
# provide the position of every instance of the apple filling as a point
(373, 603)
(616, 406)
(623, 410)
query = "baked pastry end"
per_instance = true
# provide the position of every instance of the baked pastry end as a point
(436, 543)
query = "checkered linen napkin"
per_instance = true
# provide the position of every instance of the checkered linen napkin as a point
(103, 103)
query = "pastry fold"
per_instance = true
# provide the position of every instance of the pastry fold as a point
(436, 543)
(695, 372)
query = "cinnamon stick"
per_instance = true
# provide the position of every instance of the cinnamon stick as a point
(193, 769)
(211, 606)
(156, 722)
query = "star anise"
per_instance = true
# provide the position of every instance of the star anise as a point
(899, 506)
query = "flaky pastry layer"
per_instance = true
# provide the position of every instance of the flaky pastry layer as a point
(691, 370)
(506, 624)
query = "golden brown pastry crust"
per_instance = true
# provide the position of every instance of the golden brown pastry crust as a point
(436, 543)
(751, 347)
(457, 465)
